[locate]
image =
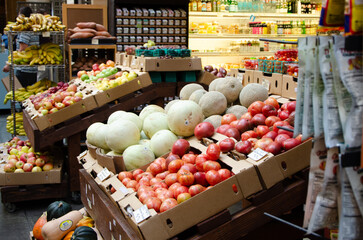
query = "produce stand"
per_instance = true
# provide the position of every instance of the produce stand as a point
(276, 200)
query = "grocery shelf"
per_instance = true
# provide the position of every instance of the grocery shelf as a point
(228, 54)
(234, 36)
(39, 66)
(36, 33)
(263, 15)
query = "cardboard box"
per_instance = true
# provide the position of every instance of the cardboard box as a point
(113, 163)
(248, 77)
(272, 81)
(6, 82)
(289, 87)
(91, 149)
(31, 178)
(121, 190)
(233, 72)
(62, 115)
(205, 77)
(126, 59)
(119, 57)
(154, 64)
(143, 80)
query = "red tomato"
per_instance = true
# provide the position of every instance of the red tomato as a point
(290, 133)
(144, 174)
(131, 184)
(159, 185)
(155, 180)
(290, 143)
(162, 175)
(213, 177)
(144, 181)
(291, 106)
(179, 190)
(247, 116)
(244, 147)
(183, 197)
(299, 137)
(211, 165)
(263, 143)
(248, 134)
(189, 158)
(185, 177)
(171, 178)
(136, 172)
(244, 125)
(284, 107)
(168, 204)
(283, 115)
(199, 178)
(155, 168)
(262, 130)
(199, 161)
(180, 147)
(203, 130)
(175, 165)
(274, 148)
(228, 118)
(224, 174)
(269, 110)
(162, 162)
(113, 190)
(226, 145)
(174, 186)
(255, 107)
(271, 120)
(123, 175)
(253, 141)
(223, 128)
(213, 151)
(233, 132)
(125, 181)
(153, 203)
(272, 101)
(280, 123)
(234, 123)
(258, 119)
(270, 134)
(195, 189)
(190, 167)
(165, 194)
(145, 195)
(144, 189)
(170, 158)
(281, 138)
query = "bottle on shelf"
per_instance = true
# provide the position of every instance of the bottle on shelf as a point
(226, 6)
(284, 6)
(302, 26)
(214, 6)
(204, 5)
(222, 6)
(209, 5)
(194, 5)
(218, 5)
(278, 6)
(199, 5)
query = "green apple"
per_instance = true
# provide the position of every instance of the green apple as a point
(37, 169)
(18, 170)
(44, 112)
(25, 149)
(79, 94)
(13, 151)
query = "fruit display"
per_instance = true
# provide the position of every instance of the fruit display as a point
(85, 63)
(292, 69)
(56, 98)
(47, 53)
(36, 22)
(24, 93)
(97, 71)
(19, 127)
(23, 158)
(221, 72)
(176, 178)
(88, 30)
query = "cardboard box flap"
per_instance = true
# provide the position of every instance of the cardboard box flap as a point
(113, 163)
(86, 160)
(121, 190)
(6, 82)
(149, 229)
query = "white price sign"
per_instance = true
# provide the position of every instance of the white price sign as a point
(257, 154)
(95, 41)
(104, 174)
(124, 190)
(41, 68)
(141, 214)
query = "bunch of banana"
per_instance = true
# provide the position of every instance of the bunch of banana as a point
(22, 94)
(19, 127)
(36, 22)
(49, 53)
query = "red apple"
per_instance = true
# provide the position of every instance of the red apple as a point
(31, 160)
(39, 162)
(80, 73)
(9, 167)
(48, 166)
(24, 157)
(95, 67)
(28, 167)
(19, 164)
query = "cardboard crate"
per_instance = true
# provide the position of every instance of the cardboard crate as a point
(143, 80)
(119, 58)
(113, 163)
(126, 59)
(6, 82)
(273, 169)
(155, 64)
(31, 178)
(49, 120)
(272, 81)
(248, 77)
(205, 77)
(289, 87)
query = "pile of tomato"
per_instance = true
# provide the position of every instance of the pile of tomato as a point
(289, 55)
(183, 174)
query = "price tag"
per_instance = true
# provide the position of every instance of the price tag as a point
(104, 174)
(41, 68)
(46, 34)
(95, 41)
(141, 214)
(124, 190)
(257, 154)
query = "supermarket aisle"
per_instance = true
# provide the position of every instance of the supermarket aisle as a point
(17, 225)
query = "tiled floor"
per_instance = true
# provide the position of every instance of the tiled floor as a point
(17, 225)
